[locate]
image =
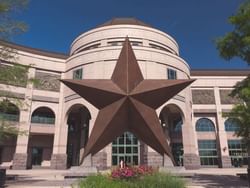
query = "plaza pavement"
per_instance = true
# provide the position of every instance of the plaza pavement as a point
(201, 178)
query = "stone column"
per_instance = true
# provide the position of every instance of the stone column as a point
(21, 156)
(191, 157)
(222, 145)
(59, 156)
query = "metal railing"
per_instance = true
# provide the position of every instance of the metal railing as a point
(42, 120)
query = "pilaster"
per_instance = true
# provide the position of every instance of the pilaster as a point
(59, 156)
(191, 157)
(221, 133)
(21, 156)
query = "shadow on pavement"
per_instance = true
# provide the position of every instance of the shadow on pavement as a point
(227, 181)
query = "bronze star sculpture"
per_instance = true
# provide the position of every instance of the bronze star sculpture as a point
(127, 102)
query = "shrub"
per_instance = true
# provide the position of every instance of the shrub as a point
(155, 180)
(131, 172)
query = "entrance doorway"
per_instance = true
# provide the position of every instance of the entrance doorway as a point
(171, 121)
(78, 131)
(125, 147)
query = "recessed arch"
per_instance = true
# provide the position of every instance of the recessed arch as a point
(78, 117)
(172, 118)
(9, 111)
(43, 115)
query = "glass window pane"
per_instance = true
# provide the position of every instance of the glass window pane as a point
(232, 125)
(114, 149)
(114, 160)
(128, 150)
(121, 149)
(204, 125)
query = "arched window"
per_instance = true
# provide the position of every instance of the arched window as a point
(43, 115)
(9, 111)
(204, 125)
(232, 125)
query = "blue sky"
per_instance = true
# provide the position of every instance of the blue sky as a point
(195, 24)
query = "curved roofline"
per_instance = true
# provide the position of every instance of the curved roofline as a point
(219, 72)
(34, 50)
(124, 21)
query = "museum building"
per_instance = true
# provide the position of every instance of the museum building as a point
(58, 121)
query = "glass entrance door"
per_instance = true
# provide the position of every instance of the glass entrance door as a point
(125, 148)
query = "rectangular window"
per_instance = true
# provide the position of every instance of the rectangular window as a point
(208, 152)
(171, 74)
(77, 74)
(237, 152)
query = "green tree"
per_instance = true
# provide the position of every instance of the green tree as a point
(14, 74)
(237, 44)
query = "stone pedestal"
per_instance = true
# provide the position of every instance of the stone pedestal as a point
(85, 169)
(154, 159)
(226, 162)
(59, 161)
(191, 161)
(167, 162)
(100, 160)
(20, 161)
(87, 161)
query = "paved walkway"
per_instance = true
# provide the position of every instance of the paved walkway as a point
(202, 178)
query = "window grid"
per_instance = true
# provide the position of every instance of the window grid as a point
(125, 148)
(77, 74)
(171, 74)
(237, 152)
(204, 125)
(208, 152)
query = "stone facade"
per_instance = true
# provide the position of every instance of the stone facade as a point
(226, 98)
(203, 97)
(20, 161)
(226, 162)
(47, 81)
(100, 160)
(59, 161)
(191, 161)
(154, 159)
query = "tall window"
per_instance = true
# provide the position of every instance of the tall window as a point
(208, 152)
(171, 74)
(125, 148)
(231, 125)
(77, 74)
(237, 152)
(204, 125)
(177, 150)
